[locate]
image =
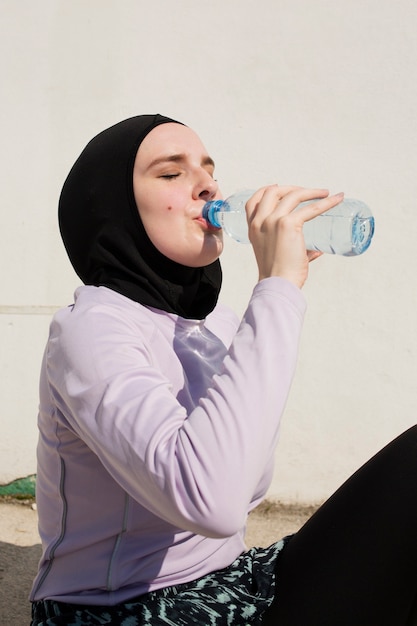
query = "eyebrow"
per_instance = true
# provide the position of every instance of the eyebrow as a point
(178, 158)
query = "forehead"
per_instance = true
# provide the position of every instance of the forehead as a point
(168, 139)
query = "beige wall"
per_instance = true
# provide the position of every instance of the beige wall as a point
(319, 93)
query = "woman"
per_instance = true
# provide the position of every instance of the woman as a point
(159, 412)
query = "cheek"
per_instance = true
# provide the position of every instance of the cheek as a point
(155, 216)
(162, 226)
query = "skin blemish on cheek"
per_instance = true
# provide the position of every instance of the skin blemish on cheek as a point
(169, 208)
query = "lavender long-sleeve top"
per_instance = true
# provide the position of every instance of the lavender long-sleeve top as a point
(157, 437)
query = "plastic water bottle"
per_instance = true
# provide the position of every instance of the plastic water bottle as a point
(346, 229)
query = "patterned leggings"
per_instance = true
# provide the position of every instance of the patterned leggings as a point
(354, 563)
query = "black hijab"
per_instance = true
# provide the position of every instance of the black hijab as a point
(104, 235)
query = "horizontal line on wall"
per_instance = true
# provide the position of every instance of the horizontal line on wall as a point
(28, 309)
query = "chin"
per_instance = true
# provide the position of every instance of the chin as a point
(202, 261)
(202, 255)
(212, 253)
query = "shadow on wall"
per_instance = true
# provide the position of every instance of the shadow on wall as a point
(18, 566)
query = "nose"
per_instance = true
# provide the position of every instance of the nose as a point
(206, 187)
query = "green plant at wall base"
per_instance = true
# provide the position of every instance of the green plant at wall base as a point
(21, 488)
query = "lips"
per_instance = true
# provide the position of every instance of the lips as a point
(206, 224)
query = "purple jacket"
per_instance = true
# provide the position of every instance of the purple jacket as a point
(157, 437)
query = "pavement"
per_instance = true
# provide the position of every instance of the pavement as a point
(20, 548)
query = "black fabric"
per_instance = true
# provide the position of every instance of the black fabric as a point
(104, 235)
(354, 563)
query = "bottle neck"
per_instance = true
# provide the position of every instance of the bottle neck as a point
(210, 211)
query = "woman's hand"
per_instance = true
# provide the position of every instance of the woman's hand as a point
(276, 230)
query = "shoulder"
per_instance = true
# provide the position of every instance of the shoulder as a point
(102, 328)
(96, 308)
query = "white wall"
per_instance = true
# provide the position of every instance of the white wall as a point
(319, 93)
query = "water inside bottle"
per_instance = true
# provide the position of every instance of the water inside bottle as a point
(232, 223)
(343, 235)
(347, 229)
(362, 233)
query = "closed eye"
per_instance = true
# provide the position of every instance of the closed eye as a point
(169, 176)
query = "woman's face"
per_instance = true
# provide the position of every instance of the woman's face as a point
(172, 180)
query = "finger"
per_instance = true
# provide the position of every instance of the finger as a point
(312, 255)
(295, 197)
(279, 190)
(310, 210)
(280, 201)
(266, 200)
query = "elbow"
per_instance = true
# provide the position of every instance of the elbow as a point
(218, 522)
